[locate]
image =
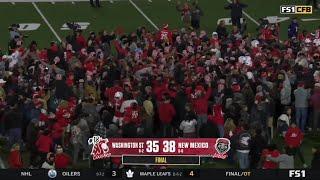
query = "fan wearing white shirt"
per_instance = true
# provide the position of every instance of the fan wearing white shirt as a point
(189, 124)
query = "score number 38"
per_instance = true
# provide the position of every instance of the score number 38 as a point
(168, 146)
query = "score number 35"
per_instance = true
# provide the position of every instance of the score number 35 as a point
(168, 146)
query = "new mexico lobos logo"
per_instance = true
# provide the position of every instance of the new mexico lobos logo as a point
(222, 145)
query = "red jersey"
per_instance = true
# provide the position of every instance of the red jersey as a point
(132, 115)
(57, 131)
(90, 66)
(269, 164)
(62, 161)
(81, 41)
(110, 92)
(293, 137)
(267, 34)
(116, 104)
(165, 34)
(15, 160)
(44, 143)
(69, 81)
(218, 115)
(214, 42)
(166, 113)
(201, 104)
(63, 116)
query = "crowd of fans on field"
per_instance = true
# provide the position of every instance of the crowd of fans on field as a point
(168, 83)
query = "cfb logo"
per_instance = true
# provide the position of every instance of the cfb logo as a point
(291, 9)
(297, 173)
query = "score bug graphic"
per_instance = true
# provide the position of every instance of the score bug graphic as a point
(295, 9)
(159, 151)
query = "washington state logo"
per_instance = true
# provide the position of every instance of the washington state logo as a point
(222, 146)
(100, 149)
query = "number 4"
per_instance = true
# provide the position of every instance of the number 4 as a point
(191, 173)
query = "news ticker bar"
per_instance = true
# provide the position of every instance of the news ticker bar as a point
(220, 174)
(161, 160)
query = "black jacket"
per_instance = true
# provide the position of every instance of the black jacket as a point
(236, 9)
(208, 130)
(13, 119)
(315, 163)
(222, 32)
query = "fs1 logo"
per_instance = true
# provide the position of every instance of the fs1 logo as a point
(297, 173)
(295, 9)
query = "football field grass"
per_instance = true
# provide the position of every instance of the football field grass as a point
(129, 14)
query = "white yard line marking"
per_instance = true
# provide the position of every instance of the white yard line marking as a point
(144, 15)
(248, 16)
(46, 21)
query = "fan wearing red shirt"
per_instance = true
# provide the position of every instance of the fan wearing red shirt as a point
(165, 34)
(293, 140)
(63, 115)
(110, 92)
(116, 104)
(132, 114)
(200, 104)
(267, 34)
(81, 40)
(218, 118)
(15, 159)
(70, 80)
(273, 152)
(166, 115)
(57, 132)
(44, 144)
(62, 160)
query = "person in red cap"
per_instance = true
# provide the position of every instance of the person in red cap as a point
(293, 140)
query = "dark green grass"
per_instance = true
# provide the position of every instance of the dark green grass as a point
(123, 14)
(22, 13)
